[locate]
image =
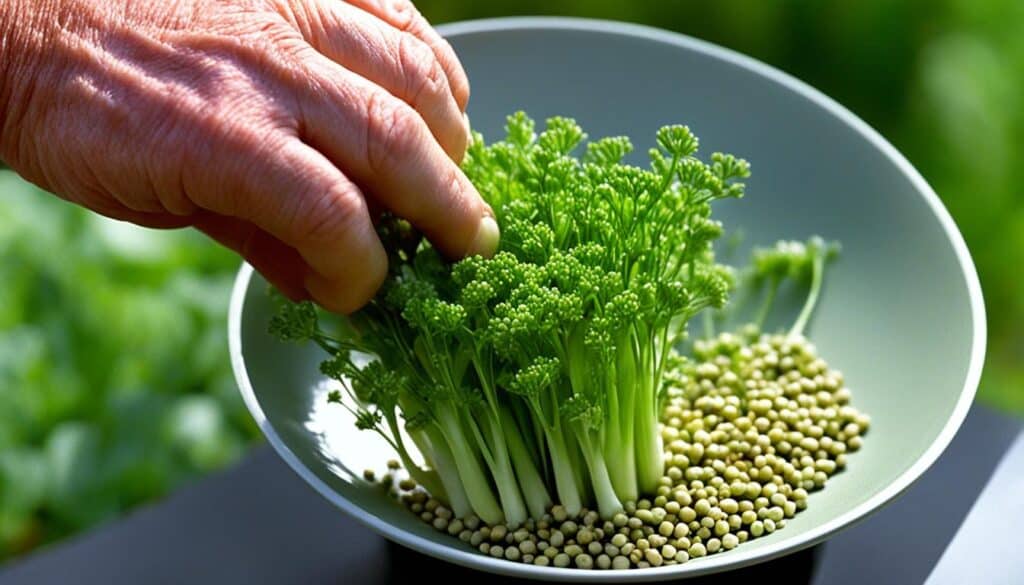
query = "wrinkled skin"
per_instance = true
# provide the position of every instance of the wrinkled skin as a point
(281, 128)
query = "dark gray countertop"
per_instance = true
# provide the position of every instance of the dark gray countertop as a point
(259, 523)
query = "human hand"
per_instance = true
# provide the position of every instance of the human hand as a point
(281, 128)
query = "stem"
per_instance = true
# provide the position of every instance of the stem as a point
(578, 366)
(444, 463)
(530, 482)
(622, 457)
(649, 464)
(489, 393)
(562, 464)
(565, 475)
(766, 305)
(608, 503)
(533, 439)
(471, 474)
(426, 478)
(619, 443)
(324, 345)
(662, 349)
(671, 174)
(579, 469)
(504, 478)
(818, 269)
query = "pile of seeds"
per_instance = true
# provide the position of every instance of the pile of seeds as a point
(750, 428)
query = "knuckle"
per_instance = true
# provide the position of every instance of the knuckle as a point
(322, 218)
(244, 157)
(393, 132)
(249, 242)
(173, 199)
(459, 144)
(164, 175)
(424, 76)
(455, 201)
(459, 202)
(401, 13)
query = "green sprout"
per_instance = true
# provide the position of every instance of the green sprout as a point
(537, 377)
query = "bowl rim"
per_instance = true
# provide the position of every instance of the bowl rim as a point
(739, 557)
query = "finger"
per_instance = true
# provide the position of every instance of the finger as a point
(279, 263)
(297, 196)
(161, 221)
(388, 149)
(402, 15)
(395, 60)
(109, 205)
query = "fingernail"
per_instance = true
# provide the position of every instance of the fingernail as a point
(487, 237)
(469, 128)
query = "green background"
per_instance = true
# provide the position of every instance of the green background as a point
(115, 385)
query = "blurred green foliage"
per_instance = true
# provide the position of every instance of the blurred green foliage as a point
(115, 383)
(114, 377)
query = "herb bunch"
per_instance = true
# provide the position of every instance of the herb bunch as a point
(535, 377)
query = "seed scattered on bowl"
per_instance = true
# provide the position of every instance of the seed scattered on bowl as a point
(750, 429)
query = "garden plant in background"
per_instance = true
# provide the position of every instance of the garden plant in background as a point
(115, 385)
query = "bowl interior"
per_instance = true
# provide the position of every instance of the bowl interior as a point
(901, 314)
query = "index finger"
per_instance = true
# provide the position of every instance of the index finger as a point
(388, 149)
(402, 15)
